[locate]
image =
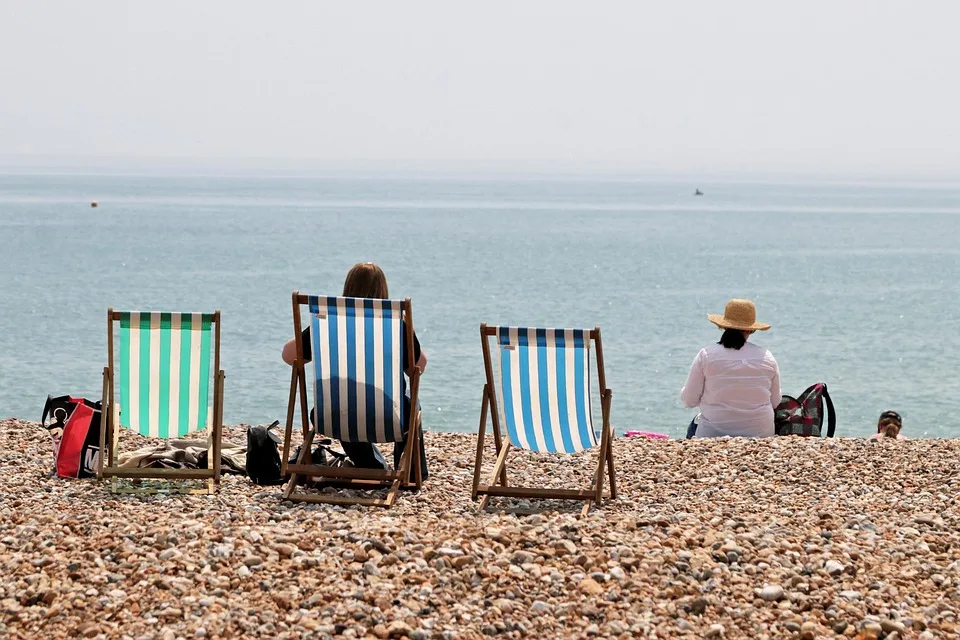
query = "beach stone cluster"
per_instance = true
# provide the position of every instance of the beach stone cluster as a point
(779, 538)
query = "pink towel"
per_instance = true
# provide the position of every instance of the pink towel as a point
(648, 434)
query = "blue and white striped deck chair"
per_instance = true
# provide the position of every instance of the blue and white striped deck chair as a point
(162, 371)
(544, 386)
(360, 350)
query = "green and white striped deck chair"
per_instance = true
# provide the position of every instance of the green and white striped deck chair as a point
(163, 380)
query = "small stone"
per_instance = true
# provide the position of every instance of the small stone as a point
(565, 548)
(592, 630)
(398, 629)
(716, 631)
(890, 626)
(833, 567)
(771, 592)
(170, 554)
(852, 596)
(504, 605)
(252, 561)
(840, 627)
(539, 606)
(590, 587)
(522, 557)
(698, 606)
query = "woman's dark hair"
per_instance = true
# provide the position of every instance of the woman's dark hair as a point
(733, 339)
(366, 280)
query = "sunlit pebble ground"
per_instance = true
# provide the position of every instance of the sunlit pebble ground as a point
(718, 538)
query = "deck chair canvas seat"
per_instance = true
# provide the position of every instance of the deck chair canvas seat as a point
(162, 380)
(543, 384)
(360, 348)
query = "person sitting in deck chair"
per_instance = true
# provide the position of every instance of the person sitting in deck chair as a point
(364, 280)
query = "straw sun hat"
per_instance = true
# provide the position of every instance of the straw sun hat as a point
(739, 314)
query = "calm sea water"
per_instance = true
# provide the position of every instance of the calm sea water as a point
(860, 282)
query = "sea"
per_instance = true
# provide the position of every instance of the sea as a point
(859, 280)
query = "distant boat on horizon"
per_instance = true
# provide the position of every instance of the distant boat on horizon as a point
(698, 192)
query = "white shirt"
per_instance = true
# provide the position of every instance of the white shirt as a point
(736, 390)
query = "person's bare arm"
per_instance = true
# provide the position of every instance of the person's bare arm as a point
(289, 353)
(422, 362)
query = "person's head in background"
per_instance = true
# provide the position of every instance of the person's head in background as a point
(738, 322)
(366, 280)
(889, 425)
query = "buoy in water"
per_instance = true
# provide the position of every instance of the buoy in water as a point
(94, 204)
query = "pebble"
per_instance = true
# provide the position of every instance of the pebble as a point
(709, 538)
(771, 592)
(833, 567)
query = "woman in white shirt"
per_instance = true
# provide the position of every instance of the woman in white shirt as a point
(735, 383)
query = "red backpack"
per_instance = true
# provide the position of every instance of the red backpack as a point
(76, 435)
(803, 416)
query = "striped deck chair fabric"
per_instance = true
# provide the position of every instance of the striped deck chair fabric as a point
(545, 387)
(358, 355)
(163, 372)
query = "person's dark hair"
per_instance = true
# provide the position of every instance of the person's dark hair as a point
(733, 339)
(890, 424)
(366, 280)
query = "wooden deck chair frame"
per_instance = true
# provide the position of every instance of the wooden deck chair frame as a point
(497, 485)
(109, 432)
(349, 477)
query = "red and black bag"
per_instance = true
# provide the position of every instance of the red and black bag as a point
(803, 416)
(76, 435)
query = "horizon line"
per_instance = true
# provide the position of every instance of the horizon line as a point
(55, 164)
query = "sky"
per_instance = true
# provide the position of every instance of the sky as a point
(853, 88)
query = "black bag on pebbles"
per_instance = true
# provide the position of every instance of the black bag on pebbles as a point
(263, 455)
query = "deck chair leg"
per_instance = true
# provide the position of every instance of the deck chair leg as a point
(497, 471)
(104, 422)
(301, 459)
(392, 494)
(288, 427)
(407, 479)
(611, 471)
(417, 461)
(587, 504)
(481, 432)
(601, 468)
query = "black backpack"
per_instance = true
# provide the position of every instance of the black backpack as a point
(263, 456)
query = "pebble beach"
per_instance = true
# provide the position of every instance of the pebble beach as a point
(777, 538)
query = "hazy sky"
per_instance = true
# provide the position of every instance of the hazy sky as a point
(855, 87)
